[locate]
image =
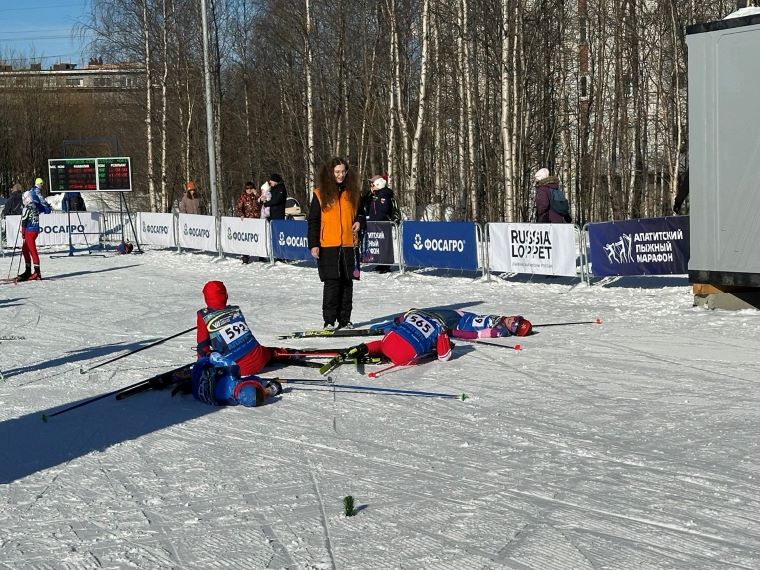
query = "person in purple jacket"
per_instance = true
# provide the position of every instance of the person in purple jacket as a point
(544, 183)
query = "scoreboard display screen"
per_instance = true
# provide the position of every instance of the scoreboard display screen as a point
(114, 174)
(72, 175)
(111, 174)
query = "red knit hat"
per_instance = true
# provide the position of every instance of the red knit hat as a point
(215, 294)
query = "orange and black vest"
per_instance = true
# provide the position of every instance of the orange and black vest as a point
(336, 221)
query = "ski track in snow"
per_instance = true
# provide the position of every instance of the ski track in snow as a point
(626, 445)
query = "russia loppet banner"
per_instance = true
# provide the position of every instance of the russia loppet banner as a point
(157, 229)
(450, 245)
(540, 249)
(55, 228)
(289, 240)
(246, 236)
(378, 243)
(651, 246)
(197, 232)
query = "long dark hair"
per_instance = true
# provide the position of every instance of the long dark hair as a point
(329, 188)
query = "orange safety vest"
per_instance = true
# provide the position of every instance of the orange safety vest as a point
(337, 221)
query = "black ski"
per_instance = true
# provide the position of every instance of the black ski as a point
(314, 364)
(372, 331)
(158, 382)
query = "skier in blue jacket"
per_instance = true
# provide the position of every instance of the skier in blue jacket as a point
(34, 205)
(422, 332)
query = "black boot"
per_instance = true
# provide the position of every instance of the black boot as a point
(26, 274)
(36, 275)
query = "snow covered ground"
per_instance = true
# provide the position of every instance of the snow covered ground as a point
(633, 444)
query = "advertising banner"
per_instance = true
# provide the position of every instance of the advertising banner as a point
(197, 232)
(652, 246)
(157, 229)
(541, 249)
(245, 236)
(377, 246)
(55, 228)
(289, 240)
(450, 245)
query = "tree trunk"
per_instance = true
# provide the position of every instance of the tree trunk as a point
(148, 61)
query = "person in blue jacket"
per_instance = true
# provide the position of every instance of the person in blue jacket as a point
(409, 338)
(34, 205)
(422, 332)
(216, 381)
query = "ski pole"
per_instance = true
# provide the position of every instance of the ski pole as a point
(13, 252)
(479, 341)
(83, 370)
(45, 417)
(390, 391)
(382, 371)
(595, 322)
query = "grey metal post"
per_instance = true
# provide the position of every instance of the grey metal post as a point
(209, 116)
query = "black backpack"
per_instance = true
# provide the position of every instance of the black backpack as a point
(558, 202)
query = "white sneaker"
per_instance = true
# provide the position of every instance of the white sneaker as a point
(348, 325)
(329, 327)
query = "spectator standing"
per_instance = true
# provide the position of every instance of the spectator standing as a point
(544, 184)
(191, 202)
(334, 218)
(73, 202)
(15, 204)
(278, 195)
(378, 206)
(247, 206)
(682, 191)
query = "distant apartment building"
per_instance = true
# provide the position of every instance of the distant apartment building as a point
(94, 77)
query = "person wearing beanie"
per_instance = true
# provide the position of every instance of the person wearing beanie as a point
(335, 219)
(34, 205)
(191, 202)
(419, 333)
(545, 184)
(278, 195)
(377, 206)
(411, 337)
(14, 205)
(228, 350)
(222, 328)
(472, 326)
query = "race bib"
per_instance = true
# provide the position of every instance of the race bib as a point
(232, 331)
(422, 324)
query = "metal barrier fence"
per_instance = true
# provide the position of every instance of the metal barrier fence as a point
(653, 246)
(112, 226)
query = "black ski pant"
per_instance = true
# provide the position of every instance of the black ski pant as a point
(337, 299)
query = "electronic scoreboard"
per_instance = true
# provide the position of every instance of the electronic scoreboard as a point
(110, 174)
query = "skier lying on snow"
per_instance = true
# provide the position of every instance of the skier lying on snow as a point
(422, 332)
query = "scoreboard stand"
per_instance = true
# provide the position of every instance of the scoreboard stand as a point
(85, 175)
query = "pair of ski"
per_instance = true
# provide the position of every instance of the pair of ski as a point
(301, 356)
(378, 331)
(288, 356)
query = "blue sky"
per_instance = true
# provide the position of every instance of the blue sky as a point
(42, 28)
